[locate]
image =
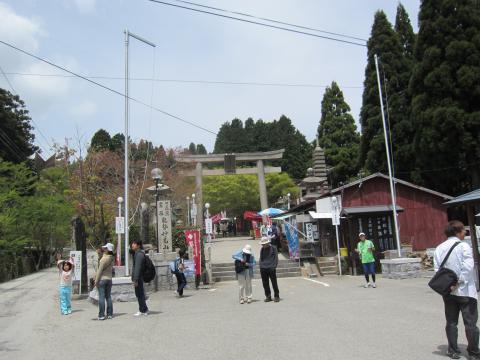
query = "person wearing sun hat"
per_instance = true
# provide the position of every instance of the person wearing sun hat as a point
(103, 282)
(268, 269)
(244, 263)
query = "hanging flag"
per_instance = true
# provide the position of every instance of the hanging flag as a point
(293, 241)
(193, 240)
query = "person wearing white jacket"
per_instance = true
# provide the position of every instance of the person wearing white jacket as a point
(463, 297)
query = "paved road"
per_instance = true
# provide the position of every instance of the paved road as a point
(331, 318)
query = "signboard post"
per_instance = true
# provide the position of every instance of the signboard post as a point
(336, 221)
(164, 226)
(309, 231)
(76, 256)
(208, 226)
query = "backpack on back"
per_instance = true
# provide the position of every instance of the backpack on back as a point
(174, 266)
(148, 270)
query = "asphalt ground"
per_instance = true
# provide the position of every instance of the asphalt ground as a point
(326, 318)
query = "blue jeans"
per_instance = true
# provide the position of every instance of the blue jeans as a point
(105, 294)
(181, 282)
(140, 294)
(65, 299)
(369, 268)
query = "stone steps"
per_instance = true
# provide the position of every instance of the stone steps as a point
(226, 271)
(327, 265)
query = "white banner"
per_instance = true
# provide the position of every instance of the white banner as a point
(208, 226)
(164, 226)
(77, 262)
(309, 231)
(120, 225)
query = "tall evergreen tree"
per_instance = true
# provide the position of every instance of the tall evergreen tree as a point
(101, 141)
(201, 150)
(393, 69)
(404, 30)
(16, 137)
(446, 95)
(117, 142)
(192, 148)
(338, 136)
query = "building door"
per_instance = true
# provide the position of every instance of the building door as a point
(379, 229)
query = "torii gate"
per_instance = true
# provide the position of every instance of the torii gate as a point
(230, 168)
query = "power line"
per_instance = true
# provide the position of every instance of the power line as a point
(36, 126)
(213, 82)
(107, 88)
(270, 20)
(260, 23)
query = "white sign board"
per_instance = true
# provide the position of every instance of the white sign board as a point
(77, 262)
(164, 226)
(120, 225)
(208, 226)
(309, 231)
(336, 208)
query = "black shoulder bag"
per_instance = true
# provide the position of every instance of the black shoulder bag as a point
(444, 278)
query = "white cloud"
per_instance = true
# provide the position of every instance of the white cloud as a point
(19, 31)
(84, 108)
(85, 6)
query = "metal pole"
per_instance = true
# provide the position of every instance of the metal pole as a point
(392, 192)
(119, 242)
(188, 210)
(126, 212)
(156, 214)
(338, 250)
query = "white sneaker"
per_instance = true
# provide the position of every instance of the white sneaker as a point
(101, 318)
(241, 301)
(373, 285)
(367, 285)
(138, 313)
(249, 300)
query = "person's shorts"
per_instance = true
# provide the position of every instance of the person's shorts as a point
(369, 268)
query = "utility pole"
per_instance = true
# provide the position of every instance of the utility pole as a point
(126, 212)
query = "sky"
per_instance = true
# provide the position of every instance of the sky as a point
(87, 37)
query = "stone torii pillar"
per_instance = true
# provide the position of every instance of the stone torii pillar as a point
(230, 161)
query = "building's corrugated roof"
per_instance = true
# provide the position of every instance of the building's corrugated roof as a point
(398, 181)
(370, 209)
(473, 196)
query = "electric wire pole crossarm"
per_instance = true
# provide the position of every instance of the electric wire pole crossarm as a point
(127, 214)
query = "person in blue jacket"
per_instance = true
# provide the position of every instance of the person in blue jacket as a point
(244, 263)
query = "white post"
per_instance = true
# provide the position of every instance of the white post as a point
(338, 250)
(119, 242)
(126, 212)
(392, 192)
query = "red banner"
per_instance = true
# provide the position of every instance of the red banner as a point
(216, 218)
(193, 240)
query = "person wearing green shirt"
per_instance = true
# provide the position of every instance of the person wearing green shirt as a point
(365, 249)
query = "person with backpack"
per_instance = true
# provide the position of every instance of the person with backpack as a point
(463, 296)
(178, 270)
(268, 269)
(244, 262)
(137, 276)
(103, 282)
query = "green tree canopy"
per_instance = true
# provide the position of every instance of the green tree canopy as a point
(338, 136)
(101, 141)
(240, 192)
(16, 137)
(233, 137)
(446, 96)
(201, 150)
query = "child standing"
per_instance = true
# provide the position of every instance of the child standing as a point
(66, 276)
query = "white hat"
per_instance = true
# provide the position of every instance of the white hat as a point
(361, 234)
(108, 246)
(265, 240)
(247, 249)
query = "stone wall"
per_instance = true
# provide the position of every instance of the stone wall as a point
(401, 268)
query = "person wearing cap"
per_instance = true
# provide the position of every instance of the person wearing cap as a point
(268, 269)
(103, 282)
(245, 261)
(365, 249)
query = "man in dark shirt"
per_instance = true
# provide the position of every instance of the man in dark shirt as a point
(268, 269)
(137, 277)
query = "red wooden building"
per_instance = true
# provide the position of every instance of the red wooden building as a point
(367, 208)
